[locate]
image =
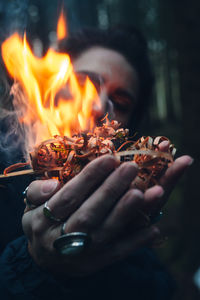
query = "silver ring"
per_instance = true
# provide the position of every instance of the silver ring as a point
(26, 201)
(71, 244)
(25, 191)
(48, 213)
(62, 231)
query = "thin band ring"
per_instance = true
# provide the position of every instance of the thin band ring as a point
(48, 213)
(26, 201)
(62, 231)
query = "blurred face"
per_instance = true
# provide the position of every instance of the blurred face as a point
(118, 82)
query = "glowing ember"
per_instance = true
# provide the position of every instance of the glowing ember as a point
(56, 102)
(64, 157)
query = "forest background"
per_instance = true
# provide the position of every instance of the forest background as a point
(172, 28)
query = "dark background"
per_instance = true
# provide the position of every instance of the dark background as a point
(172, 28)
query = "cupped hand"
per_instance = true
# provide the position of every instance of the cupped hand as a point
(98, 202)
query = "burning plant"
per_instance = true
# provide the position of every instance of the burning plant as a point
(62, 136)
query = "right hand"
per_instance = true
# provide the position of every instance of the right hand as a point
(97, 201)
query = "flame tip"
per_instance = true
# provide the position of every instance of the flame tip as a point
(62, 26)
(40, 100)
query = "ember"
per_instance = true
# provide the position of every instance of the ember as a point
(65, 157)
(68, 156)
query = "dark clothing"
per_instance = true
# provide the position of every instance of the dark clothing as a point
(139, 277)
(11, 210)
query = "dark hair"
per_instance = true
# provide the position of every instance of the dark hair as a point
(129, 42)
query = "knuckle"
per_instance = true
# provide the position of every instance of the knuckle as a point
(36, 223)
(83, 220)
(135, 194)
(110, 190)
(68, 201)
(130, 194)
(26, 225)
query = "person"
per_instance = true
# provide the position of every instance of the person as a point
(98, 203)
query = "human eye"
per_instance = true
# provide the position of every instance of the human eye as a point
(121, 101)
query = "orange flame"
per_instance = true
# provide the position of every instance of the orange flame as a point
(61, 26)
(55, 97)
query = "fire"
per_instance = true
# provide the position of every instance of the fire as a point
(61, 27)
(57, 103)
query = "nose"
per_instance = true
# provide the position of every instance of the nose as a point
(105, 107)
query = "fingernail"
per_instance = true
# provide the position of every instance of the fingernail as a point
(190, 161)
(138, 194)
(108, 163)
(160, 192)
(128, 169)
(165, 143)
(49, 186)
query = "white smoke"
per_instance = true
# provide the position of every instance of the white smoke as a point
(13, 142)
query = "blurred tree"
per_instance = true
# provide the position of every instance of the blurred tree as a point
(82, 13)
(181, 28)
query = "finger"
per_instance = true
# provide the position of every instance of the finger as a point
(99, 204)
(121, 249)
(156, 196)
(123, 214)
(173, 174)
(67, 199)
(153, 198)
(129, 244)
(40, 191)
(35, 224)
(164, 146)
(71, 196)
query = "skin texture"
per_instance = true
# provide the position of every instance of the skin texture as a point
(104, 208)
(99, 200)
(119, 89)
